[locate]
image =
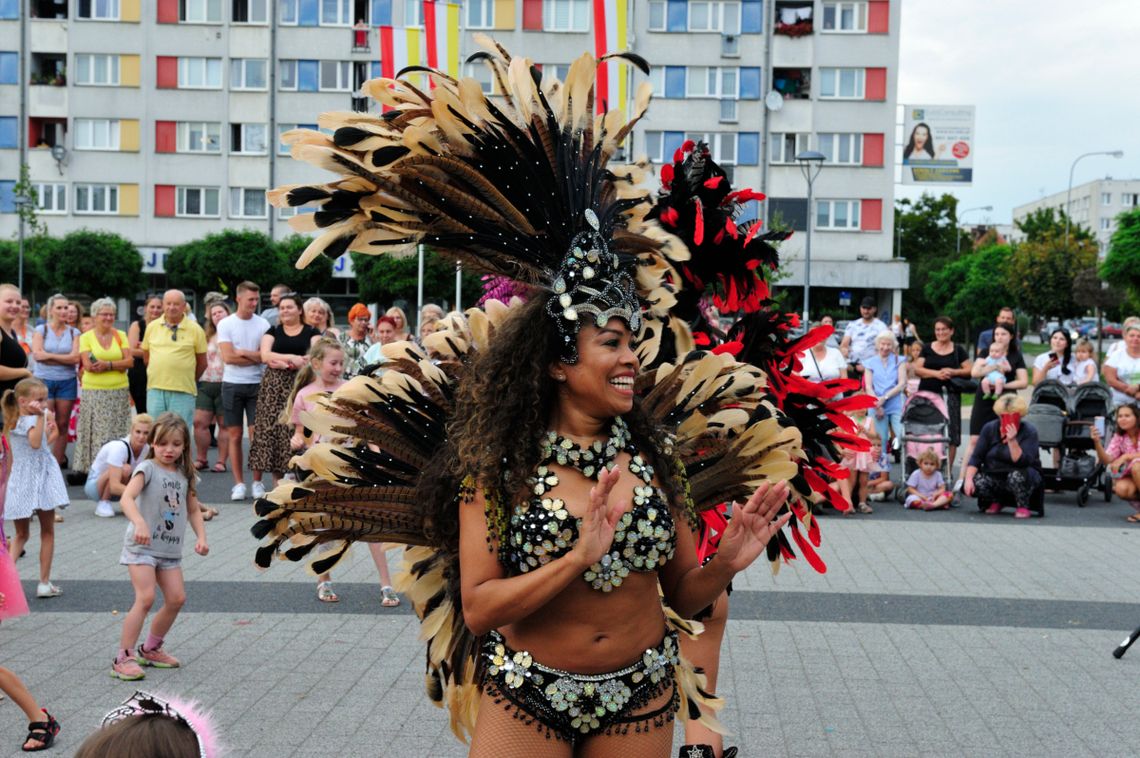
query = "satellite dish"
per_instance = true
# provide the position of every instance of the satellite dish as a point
(774, 101)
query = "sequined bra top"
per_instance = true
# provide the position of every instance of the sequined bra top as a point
(542, 529)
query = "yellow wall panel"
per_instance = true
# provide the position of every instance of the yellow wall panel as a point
(128, 199)
(504, 14)
(129, 10)
(129, 135)
(128, 70)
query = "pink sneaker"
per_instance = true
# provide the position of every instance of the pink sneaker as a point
(128, 670)
(1021, 513)
(157, 658)
(994, 508)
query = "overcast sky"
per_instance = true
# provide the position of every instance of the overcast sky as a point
(1050, 79)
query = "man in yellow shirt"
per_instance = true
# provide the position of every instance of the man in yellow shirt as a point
(174, 350)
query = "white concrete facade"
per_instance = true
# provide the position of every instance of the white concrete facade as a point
(1093, 205)
(735, 117)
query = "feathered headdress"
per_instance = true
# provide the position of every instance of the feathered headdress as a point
(519, 187)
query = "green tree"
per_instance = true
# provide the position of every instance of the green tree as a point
(96, 263)
(928, 238)
(972, 288)
(1121, 266)
(309, 279)
(223, 260)
(1041, 273)
(386, 278)
(1044, 223)
(29, 211)
(37, 250)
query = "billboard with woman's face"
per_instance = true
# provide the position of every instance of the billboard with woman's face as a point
(938, 144)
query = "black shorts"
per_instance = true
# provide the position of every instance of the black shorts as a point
(239, 400)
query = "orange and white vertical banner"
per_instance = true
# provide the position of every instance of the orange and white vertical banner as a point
(611, 23)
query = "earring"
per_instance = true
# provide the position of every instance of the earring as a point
(560, 377)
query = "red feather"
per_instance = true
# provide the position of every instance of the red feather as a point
(667, 174)
(714, 182)
(699, 223)
(810, 555)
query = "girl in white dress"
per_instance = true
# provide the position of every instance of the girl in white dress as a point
(36, 484)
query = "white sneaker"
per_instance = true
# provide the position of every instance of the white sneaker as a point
(238, 492)
(877, 496)
(48, 590)
(104, 509)
(258, 490)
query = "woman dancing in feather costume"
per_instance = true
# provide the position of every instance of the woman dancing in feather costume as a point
(549, 487)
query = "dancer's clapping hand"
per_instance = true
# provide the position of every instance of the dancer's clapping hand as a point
(596, 532)
(752, 525)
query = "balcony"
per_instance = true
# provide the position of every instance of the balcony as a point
(793, 18)
(361, 38)
(792, 83)
(47, 35)
(45, 133)
(47, 102)
(48, 69)
(48, 9)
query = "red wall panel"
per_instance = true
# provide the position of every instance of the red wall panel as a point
(166, 74)
(532, 15)
(872, 149)
(878, 17)
(166, 140)
(164, 199)
(876, 88)
(167, 11)
(871, 216)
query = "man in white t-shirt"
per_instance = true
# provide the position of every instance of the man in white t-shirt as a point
(239, 342)
(113, 465)
(859, 337)
(1122, 370)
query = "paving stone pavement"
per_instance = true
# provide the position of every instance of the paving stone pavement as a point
(931, 634)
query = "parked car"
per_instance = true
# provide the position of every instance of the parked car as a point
(1085, 326)
(1048, 329)
(1111, 329)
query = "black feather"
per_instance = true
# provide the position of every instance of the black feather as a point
(261, 528)
(264, 507)
(347, 136)
(386, 155)
(633, 58)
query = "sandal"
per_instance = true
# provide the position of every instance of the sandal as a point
(325, 593)
(1133, 519)
(43, 732)
(209, 513)
(219, 468)
(201, 465)
(864, 508)
(389, 597)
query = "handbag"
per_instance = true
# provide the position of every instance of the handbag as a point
(961, 385)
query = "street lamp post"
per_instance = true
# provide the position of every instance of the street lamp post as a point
(958, 234)
(1069, 193)
(20, 201)
(811, 163)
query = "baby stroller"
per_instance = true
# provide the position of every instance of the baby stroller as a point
(925, 425)
(1068, 429)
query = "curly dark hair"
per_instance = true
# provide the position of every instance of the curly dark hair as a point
(502, 409)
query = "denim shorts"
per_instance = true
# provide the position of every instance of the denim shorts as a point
(61, 389)
(91, 490)
(127, 558)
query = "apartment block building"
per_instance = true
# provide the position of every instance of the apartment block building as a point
(168, 112)
(1093, 205)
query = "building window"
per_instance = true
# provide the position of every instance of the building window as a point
(247, 202)
(1106, 198)
(252, 11)
(248, 139)
(51, 197)
(282, 148)
(785, 146)
(480, 14)
(845, 17)
(336, 13)
(712, 81)
(481, 73)
(841, 83)
(413, 13)
(96, 134)
(99, 10)
(199, 73)
(287, 12)
(793, 18)
(97, 70)
(842, 148)
(200, 11)
(723, 17)
(722, 145)
(289, 212)
(196, 201)
(565, 15)
(1129, 199)
(792, 83)
(336, 76)
(837, 214)
(248, 73)
(198, 137)
(1105, 224)
(96, 198)
(658, 16)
